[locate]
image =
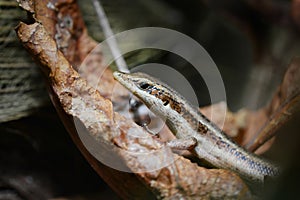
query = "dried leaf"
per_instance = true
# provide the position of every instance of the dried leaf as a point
(284, 105)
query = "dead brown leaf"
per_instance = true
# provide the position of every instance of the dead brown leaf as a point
(284, 105)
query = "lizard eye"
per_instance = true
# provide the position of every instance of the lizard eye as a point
(166, 103)
(144, 86)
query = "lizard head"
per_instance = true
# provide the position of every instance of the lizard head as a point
(150, 90)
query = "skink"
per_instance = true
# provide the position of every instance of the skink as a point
(186, 121)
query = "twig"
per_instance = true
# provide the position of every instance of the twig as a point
(109, 35)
